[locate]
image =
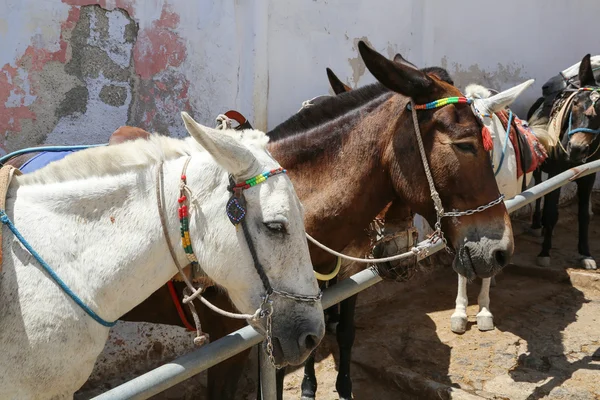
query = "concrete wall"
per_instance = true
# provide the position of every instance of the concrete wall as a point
(72, 71)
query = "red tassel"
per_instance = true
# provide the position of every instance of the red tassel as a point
(488, 142)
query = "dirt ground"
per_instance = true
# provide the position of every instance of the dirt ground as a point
(546, 343)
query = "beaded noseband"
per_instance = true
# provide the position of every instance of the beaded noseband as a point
(236, 212)
(437, 201)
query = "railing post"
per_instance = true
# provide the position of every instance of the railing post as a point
(268, 386)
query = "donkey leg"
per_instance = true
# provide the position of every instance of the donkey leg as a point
(584, 191)
(332, 313)
(485, 319)
(549, 220)
(536, 221)
(345, 339)
(309, 382)
(458, 320)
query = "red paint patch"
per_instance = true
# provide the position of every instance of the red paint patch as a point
(33, 60)
(10, 117)
(158, 47)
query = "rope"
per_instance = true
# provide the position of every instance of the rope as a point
(510, 118)
(415, 250)
(5, 220)
(223, 122)
(201, 337)
(7, 157)
(227, 313)
(435, 196)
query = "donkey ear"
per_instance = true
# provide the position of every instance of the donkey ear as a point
(401, 60)
(503, 99)
(586, 74)
(397, 77)
(228, 152)
(336, 84)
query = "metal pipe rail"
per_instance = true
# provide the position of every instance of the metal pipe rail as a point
(182, 368)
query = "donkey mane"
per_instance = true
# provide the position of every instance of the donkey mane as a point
(128, 156)
(477, 91)
(333, 107)
(326, 111)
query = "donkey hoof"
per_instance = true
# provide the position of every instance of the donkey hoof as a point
(485, 322)
(588, 263)
(458, 323)
(543, 261)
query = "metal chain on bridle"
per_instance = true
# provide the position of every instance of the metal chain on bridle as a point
(236, 211)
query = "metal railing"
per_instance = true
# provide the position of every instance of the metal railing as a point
(182, 368)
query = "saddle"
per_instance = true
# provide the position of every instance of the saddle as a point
(529, 151)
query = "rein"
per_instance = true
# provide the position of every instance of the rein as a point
(6, 221)
(236, 212)
(506, 140)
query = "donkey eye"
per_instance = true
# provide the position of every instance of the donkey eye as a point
(276, 227)
(465, 147)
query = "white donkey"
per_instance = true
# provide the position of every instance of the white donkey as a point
(504, 162)
(94, 217)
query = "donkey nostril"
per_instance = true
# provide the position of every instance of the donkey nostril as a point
(501, 258)
(310, 341)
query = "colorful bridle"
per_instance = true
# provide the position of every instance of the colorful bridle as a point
(236, 212)
(440, 103)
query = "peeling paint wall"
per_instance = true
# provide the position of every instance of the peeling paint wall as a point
(73, 71)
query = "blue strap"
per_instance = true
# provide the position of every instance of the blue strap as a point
(6, 221)
(48, 149)
(585, 130)
(510, 117)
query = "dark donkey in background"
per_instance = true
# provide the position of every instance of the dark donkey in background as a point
(568, 119)
(350, 157)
